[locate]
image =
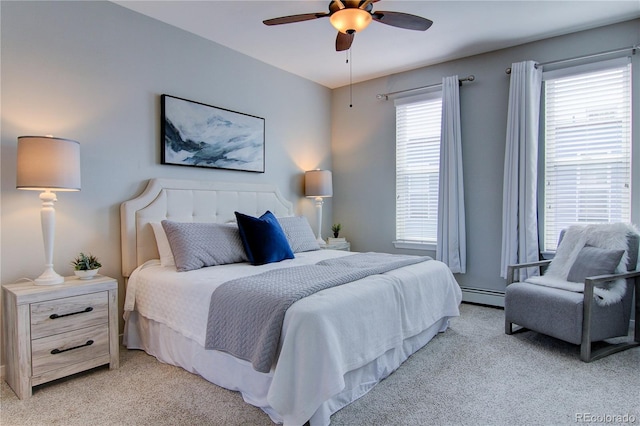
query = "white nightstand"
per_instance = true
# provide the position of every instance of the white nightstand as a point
(55, 331)
(345, 246)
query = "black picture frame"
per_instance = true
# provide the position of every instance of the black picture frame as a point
(200, 135)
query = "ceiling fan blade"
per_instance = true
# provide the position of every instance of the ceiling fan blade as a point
(343, 41)
(402, 20)
(294, 18)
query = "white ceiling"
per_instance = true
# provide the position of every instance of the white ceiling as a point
(307, 49)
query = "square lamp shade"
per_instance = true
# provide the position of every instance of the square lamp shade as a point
(318, 184)
(48, 164)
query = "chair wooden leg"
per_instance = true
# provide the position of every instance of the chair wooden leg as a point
(587, 307)
(511, 328)
(636, 328)
(612, 349)
(507, 327)
(586, 354)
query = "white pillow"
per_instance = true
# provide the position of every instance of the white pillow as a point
(166, 255)
(299, 233)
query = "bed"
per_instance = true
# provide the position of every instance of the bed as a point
(334, 345)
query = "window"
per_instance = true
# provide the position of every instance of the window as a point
(417, 170)
(587, 146)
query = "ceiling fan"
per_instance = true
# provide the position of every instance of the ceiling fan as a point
(351, 16)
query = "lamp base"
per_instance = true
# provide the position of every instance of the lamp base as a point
(321, 241)
(49, 277)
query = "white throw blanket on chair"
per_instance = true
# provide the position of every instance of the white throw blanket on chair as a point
(607, 236)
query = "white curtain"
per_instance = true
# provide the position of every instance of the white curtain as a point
(519, 194)
(451, 244)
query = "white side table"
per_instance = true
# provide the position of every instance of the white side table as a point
(55, 331)
(345, 246)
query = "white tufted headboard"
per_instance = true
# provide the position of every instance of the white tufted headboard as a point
(189, 201)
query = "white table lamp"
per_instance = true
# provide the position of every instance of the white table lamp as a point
(318, 184)
(48, 164)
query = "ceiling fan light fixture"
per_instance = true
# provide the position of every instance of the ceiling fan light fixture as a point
(350, 20)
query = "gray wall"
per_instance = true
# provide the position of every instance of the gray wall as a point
(363, 147)
(94, 72)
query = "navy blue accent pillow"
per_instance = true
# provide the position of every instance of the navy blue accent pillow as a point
(263, 239)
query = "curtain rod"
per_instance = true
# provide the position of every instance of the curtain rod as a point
(385, 96)
(576, 58)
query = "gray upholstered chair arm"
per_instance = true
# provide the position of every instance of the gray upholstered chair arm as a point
(511, 269)
(600, 279)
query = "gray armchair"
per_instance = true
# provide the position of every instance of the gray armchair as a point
(573, 316)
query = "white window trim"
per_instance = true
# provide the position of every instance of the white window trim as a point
(549, 253)
(433, 94)
(586, 68)
(414, 245)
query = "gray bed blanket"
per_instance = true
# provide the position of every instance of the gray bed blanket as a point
(246, 314)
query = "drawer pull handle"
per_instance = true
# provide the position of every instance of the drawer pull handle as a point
(55, 316)
(59, 351)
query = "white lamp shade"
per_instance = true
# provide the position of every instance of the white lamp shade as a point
(318, 183)
(48, 163)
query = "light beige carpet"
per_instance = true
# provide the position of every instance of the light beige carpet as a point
(473, 374)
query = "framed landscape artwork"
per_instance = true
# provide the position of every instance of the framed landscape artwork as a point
(199, 135)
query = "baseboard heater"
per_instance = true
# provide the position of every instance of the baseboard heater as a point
(483, 297)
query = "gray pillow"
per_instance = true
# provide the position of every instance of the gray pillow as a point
(593, 261)
(196, 245)
(299, 233)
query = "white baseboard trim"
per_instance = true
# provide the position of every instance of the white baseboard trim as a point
(483, 297)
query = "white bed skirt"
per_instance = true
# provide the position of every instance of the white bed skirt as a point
(231, 373)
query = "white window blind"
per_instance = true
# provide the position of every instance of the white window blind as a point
(417, 167)
(587, 146)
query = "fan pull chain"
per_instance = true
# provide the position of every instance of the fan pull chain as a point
(350, 62)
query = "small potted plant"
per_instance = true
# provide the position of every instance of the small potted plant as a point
(336, 229)
(85, 266)
(336, 232)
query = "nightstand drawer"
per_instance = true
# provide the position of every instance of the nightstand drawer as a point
(63, 315)
(61, 350)
(344, 246)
